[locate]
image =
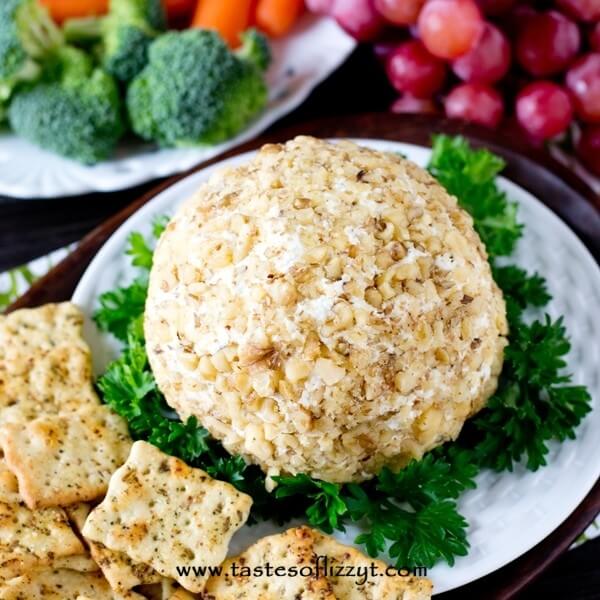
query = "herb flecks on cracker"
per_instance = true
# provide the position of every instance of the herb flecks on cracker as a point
(305, 547)
(45, 365)
(63, 459)
(163, 513)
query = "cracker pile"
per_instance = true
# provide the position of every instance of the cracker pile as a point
(58, 448)
(86, 514)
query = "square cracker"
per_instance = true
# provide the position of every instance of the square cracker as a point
(301, 547)
(64, 459)
(291, 550)
(29, 540)
(45, 365)
(379, 586)
(161, 512)
(60, 584)
(120, 571)
(32, 539)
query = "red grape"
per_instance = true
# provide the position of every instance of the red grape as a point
(475, 102)
(544, 109)
(495, 7)
(409, 104)
(320, 7)
(358, 17)
(547, 43)
(582, 10)
(450, 28)
(400, 12)
(488, 61)
(595, 38)
(412, 69)
(583, 81)
(588, 148)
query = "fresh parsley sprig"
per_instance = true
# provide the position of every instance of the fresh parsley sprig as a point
(129, 388)
(520, 290)
(419, 538)
(535, 402)
(128, 385)
(411, 514)
(118, 308)
(326, 508)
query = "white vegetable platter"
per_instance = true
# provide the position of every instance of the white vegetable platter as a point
(301, 60)
(508, 513)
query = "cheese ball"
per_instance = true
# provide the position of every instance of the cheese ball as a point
(324, 309)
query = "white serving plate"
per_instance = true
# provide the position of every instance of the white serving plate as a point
(509, 513)
(316, 47)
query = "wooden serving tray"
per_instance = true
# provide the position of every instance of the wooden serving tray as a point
(532, 169)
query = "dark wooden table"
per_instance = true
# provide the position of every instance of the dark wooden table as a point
(34, 227)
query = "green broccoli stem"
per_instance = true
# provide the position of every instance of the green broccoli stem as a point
(30, 71)
(86, 29)
(39, 34)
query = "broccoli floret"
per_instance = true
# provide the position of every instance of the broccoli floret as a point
(75, 110)
(124, 34)
(195, 91)
(255, 48)
(27, 35)
(128, 32)
(125, 51)
(146, 12)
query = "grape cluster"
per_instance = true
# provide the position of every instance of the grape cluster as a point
(483, 59)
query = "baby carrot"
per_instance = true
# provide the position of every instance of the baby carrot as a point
(61, 10)
(228, 17)
(277, 17)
